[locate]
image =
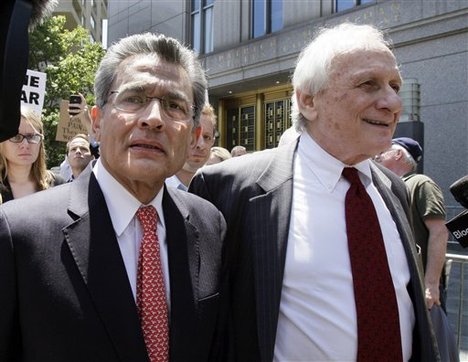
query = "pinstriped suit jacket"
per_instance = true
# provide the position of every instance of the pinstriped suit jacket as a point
(254, 193)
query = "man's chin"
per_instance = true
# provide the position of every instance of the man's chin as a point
(193, 166)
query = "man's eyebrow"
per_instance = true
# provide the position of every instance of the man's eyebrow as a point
(177, 95)
(372, 74)
(133, 87)
(143, 87)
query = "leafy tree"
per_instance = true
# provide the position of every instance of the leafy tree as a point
(70, 60)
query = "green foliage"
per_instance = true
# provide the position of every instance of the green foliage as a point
(70, 61)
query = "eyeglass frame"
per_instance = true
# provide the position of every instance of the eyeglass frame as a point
(192, 108)
(28, 137)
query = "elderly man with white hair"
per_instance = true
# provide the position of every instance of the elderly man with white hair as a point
(321, 258)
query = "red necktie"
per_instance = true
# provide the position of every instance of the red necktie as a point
(376, 305)
(151, 293)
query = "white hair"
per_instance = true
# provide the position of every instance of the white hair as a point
(315, 61)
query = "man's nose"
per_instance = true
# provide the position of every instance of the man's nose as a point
(390, 100)
(201, 143)
(153, 114)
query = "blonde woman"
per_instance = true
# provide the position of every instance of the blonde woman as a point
(217, 155)
(23, 162)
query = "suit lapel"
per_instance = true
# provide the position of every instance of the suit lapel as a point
(183, 251)
(269, 242)
(91, 239)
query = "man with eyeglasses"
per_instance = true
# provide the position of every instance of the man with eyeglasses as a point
(115, 266)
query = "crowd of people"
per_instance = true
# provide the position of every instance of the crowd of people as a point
(164, 247)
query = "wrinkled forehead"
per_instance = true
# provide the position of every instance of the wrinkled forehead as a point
(147, 72)
(381, 61)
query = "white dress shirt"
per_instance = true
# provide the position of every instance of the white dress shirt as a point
(174, 181)
(317, 319)
(122, 208)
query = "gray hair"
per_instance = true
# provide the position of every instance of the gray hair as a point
(408, 159)
(315, 62)
(167, 49)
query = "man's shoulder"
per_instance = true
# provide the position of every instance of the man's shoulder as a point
(417, 178)
(421, 181)
(44, 200)
(38, 211)
(53, 201)
(198, 210)
(242, 166)
(191, 202)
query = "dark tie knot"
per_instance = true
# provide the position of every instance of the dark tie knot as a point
(351, 174)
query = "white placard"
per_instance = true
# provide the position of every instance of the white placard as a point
(33, 92)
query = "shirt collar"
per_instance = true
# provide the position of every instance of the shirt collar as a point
(174, 181)
(325, 167)
(122, 205)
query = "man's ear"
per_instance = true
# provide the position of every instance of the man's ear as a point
(96, 122)
(306, 104)
(398, 154)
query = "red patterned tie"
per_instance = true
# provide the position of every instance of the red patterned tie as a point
(376, 305)
(151, 293)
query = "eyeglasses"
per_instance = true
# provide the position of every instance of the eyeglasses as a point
(32, 138)
(133, 102)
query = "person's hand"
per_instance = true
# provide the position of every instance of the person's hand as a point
(432, 294)
(76, 109)
(81, 111)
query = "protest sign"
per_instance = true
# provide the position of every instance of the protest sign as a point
(68, 126)
(33, 91)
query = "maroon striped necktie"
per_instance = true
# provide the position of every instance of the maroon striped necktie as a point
(376, 305)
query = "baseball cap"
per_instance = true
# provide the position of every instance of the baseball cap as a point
(412, 146)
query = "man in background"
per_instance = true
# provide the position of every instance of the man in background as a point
(238, 151)
(198, 155)
(78, 154)
(428, 213)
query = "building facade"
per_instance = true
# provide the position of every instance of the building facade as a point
(88, 14)
(249, 49)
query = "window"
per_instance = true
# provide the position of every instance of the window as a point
(267, 17)
(202, 26)
(92, 22)
(277, 120)
(241, 127)
(341, 5)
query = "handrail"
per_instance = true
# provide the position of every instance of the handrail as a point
(462, 260)
(456, 257)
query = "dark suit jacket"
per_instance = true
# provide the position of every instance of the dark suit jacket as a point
(254, 193)
(64, 290)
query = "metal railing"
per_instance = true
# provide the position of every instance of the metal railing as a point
(456, 297)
